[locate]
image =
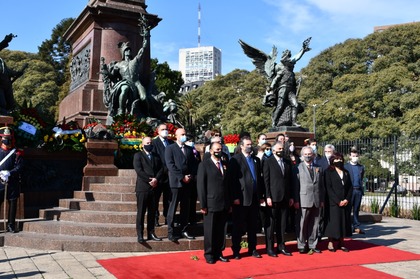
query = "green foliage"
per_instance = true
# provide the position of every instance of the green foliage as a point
(374, 206)
(395, 208)
(415, 212)
(372, 85)
(232, 102)
(167, 80)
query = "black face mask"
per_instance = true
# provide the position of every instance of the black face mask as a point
(6, 141)
(339, 165)
(148, 147)
(218, 154)
(280, 154)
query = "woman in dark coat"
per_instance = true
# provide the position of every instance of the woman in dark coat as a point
(339, 191)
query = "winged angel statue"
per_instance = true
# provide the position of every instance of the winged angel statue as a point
(281, 94)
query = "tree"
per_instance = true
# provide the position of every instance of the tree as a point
(372, 85)
(167, 80)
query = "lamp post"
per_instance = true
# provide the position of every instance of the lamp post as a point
(314, 115)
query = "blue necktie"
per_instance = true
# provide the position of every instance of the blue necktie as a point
(250, 162)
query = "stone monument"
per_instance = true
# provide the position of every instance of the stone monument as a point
(96, 33)
(282, 89)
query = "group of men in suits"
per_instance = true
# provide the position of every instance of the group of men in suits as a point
(164, 167)
(237, 187)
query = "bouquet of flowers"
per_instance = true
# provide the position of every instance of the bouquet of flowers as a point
(65, 136)
(129, 131)
(231, 140)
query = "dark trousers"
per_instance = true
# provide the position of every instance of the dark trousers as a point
(244, 220)
(145, 202)
(214, 234)
(278, 222)
(356, 201)
(165, 190)
(193, 202)
(180, 196)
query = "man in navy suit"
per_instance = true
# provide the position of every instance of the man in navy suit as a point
(182, 169)
(149, 171)
(213, 194)
(159, 145)
(278, 179)
(245, 180)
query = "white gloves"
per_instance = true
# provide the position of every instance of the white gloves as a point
(4, 175)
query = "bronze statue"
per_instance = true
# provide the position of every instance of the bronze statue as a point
(124, 93)
(283, 89)
(7, 77)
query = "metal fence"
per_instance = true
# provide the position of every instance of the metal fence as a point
(392, 174)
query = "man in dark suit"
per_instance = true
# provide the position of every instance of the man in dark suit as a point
(213, 194)
(159, 145)
(149, 171)
(324, 161)
(246, 185)
(182, 169)
(277, 178)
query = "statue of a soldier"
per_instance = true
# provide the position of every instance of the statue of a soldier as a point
(124, 92)
(283, 89)
(7, 77)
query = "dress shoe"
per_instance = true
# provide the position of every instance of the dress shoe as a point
(331, 247)
(315, 250)
(284, 252)
(172, 238)
(187, 236)
(210, 261)
(359, 231)
(223, 259)
(152, 236)
(344, 249)
(10, 228)
(140, 239)
(302, 251)
(255, 254)
(271, 253)
(236, 256)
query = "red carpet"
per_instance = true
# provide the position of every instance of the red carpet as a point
(339, 264)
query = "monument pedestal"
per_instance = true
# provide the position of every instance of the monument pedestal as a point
(100, 158)
(295, 134)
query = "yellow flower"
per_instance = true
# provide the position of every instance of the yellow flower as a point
(45, 138)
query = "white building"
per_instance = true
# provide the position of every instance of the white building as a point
(200, 63)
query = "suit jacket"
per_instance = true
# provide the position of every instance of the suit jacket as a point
(307, 191)
(146, 169)
(212, 186)
(336, 190)
(361, 170)
(179, 164)
(277, 184)
(159, 148)
(241, 181)
(323, 163)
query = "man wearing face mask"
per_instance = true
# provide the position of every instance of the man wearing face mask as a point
(159, 145)
(182, 170)
(149, 171)
(246, 185)
(10, 169)
(213, 194)
(277, 178)
(308, 195)
(357, 173)
(324, 161)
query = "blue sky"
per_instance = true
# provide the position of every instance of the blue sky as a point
(260, 23)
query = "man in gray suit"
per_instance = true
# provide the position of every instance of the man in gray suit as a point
(309, 198)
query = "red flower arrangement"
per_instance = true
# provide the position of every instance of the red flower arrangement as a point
(231, 138)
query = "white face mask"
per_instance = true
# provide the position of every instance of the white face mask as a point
(262, 142)
(292, 148)
(354, 159)
(163, 133)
